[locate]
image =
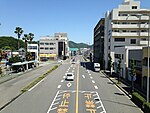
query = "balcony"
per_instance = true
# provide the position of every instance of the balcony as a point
(130, 26)
(130, 34)
(133, 18)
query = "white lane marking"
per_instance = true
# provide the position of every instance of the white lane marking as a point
(73, 68)
(99, 107)
(93, 81)
(56, 103)
(90, 74)
(36, 85)
(72, 71)
(57, 99)
(95, 87)
(88, 71)
(97, 102)
(67, 71)
(59, 86)
(62, 80)
(64, 76)
(91, 77)
(104, 111)
(59, 95)
(54, 108)
(53, 102)
(83, 76)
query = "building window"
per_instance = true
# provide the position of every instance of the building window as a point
(119, 39)
(41, 43)
(109, 47)
(51, 43)
(51, 48)
(41, 47)
(46, 43)
(34, 47)
(46, 48)
(134, 7)
(133, 41)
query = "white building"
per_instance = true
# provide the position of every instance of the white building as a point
(33, 48)
(125, 27)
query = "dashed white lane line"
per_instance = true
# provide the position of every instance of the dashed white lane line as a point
(90, 74)
(93, 81)
(95, 87)
(62, 80)
(83, 76)
(91, 77)
(59, 86)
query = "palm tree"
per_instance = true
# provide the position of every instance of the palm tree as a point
(31, 36)
(27, 38)
(19, 32)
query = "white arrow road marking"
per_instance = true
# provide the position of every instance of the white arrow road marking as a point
(69, 84)
(83, 76)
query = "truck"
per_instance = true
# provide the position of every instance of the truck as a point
(96, 67)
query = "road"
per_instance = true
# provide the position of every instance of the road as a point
(90, 92)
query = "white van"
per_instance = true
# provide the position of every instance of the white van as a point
(96, 67)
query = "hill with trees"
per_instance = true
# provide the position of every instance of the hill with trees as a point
(78, 45)
(6, 41)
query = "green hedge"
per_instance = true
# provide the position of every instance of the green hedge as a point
(146, 107)
(138, 99)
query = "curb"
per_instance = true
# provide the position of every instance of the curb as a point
(118, 86)
(1, 108)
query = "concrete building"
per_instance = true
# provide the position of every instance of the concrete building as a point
(125, 27)
(99, 42)
(52, 47)
(34, 49)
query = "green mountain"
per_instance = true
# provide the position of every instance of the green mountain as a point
(6, 41)
(78, 45)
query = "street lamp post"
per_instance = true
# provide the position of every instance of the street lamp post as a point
(148, 61)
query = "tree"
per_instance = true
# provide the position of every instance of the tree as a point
(27, 38)
(132, 74)
(19, 32)
(109, 63)
(119, 68)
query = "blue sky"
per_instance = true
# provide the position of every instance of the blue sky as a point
(46, 17)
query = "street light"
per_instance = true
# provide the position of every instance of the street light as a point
(148, 54)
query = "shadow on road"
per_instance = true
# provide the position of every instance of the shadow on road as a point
(87, 65)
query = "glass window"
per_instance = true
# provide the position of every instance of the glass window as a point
(134, 7)
(46, 43)
(34, 47)
(51, 48)
(41, 43)
(119, 39)
(41, 47)
(46, 48)
(133, 41)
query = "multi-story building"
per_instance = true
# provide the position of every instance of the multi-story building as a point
(52, 47)
(99, 43)
(33, 48)
(125, 27)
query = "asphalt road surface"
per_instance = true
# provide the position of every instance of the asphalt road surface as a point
(90, 92)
